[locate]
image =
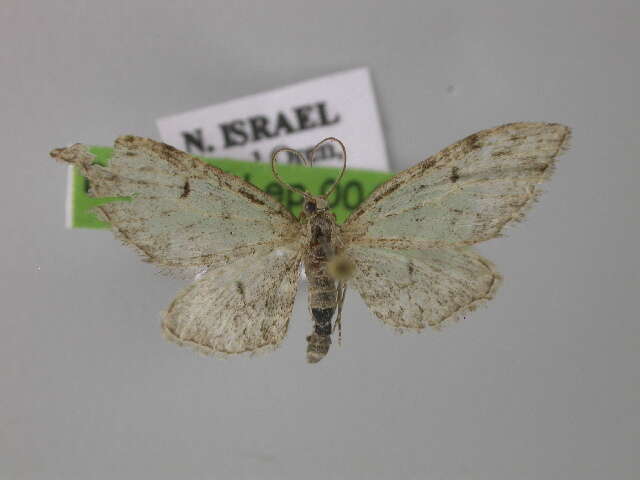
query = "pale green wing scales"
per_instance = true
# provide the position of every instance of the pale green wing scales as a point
(409, 240)
(412, 289)
(463, 195)
(184, 214)
(242, 307)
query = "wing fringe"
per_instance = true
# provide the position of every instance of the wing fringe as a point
(463, 311)
(208, 351)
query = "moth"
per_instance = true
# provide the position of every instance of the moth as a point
(407, 249)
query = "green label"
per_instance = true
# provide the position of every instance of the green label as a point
(355, 186)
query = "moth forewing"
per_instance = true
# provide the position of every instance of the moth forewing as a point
(463, 195)
(183, 214)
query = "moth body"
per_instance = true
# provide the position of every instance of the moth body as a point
(322, 234)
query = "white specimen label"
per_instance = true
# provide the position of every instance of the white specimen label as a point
(298, 116)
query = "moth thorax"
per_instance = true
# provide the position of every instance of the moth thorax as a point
(340, 267)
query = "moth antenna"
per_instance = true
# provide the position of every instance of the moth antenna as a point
(344, 161)
(274, 160)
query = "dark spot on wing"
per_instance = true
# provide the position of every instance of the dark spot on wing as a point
(501, 153)
(164, 150)
(169, 148)
(455, 174)
(186, 189)
(473, 141)
(250, 196)
(240, 288)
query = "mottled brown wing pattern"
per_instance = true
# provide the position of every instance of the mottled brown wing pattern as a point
(408, 241)
(242, 307)
(407, 246)
(183, 213)
(463, 195)
(413, 289)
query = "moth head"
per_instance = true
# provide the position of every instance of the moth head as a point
(313, 205)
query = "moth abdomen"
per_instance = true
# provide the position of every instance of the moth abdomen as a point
(319, 341)
(322, 318)
(317, 347)
(322, 303)
(323, 295)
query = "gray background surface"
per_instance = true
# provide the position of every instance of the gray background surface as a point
(543, 383)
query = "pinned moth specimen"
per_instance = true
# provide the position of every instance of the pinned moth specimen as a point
(407, 249)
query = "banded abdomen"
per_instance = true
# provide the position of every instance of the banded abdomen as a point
(323, 294)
